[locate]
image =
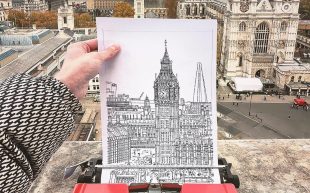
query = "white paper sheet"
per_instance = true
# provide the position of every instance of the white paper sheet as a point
(158, 100)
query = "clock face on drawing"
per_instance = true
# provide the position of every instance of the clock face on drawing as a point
(163, 94)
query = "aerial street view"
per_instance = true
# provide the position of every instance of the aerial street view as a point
(156, 95)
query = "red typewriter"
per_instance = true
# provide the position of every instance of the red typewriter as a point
(90, 177)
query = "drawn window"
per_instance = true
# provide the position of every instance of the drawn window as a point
(242, 26)
(195, 9)
(188, 10)
(261, 38)
(283, 26)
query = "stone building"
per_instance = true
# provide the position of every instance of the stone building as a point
(30, 6)
(139, 8)
(255, 36)
(54, 5)
(65, 17)
(5, 7)
(102, 4)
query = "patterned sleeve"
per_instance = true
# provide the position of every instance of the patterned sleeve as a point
(36, 116)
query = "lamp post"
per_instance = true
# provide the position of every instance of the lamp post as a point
(251, 93)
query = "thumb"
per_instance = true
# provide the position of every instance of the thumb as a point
(96, 59)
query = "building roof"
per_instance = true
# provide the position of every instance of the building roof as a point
(294, 67)
(23, 63)
(6, 53)
(248, 84)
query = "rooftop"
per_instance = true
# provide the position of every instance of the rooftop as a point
(32, 57)
(25, 31)
(262, 165)
(6, 52)
(294, 67)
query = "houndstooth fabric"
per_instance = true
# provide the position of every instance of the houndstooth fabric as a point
(36, 116)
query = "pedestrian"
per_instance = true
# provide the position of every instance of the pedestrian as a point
(265, 98)
(223, 98)
(237, 103)
(32, 130)
(233, 103)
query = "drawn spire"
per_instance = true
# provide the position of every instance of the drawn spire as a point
(165, 61)
(200, 92)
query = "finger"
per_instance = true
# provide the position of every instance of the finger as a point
(98, 58)
(80, 48)
(92, 44)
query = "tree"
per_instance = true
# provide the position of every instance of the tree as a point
(18, 17)
(46, 19)
(123, 9)
(304, 9)
(171, 5)
(83, 20)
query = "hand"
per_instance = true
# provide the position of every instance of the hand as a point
(82, 63)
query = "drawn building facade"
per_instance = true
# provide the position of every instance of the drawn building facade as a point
(166, 98)
(161, 132)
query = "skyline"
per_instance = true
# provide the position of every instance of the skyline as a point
(184, 65)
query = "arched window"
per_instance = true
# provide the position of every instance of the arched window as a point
(283, 26)
(292, 79)
(242, 26)
(195, 11)
(299, 79)
(261, 38)
(188, 10)
(240, 59)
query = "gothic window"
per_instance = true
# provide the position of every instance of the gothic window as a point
(242, 26)
(261, 38)
(188, 10)
(283, 26)
(195, 9)
(240, 63)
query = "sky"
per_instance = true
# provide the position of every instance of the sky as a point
(135, 67)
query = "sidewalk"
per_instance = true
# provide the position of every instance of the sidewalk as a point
(224, 94)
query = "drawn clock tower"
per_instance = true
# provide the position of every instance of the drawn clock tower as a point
(166, 98)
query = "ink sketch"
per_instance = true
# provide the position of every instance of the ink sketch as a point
(158, 101)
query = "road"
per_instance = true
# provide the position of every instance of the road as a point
(273, 120)
(88, 103)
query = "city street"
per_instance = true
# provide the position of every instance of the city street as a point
(267, 121)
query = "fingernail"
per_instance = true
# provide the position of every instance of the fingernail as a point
(115, 47)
